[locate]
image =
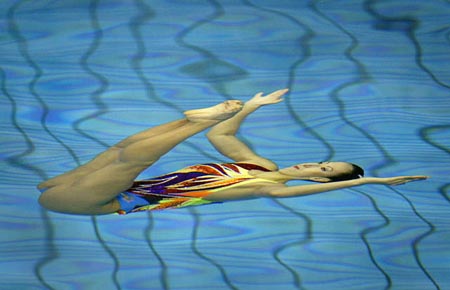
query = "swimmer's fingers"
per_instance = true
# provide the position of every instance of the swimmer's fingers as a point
(397, 180)
(272, 98)
(405, 179)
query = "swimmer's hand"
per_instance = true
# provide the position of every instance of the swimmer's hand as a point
(272, 98)
(396, 180)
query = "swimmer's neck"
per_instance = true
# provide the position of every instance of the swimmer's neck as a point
(275, 176)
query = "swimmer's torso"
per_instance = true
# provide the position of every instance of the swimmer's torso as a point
(190, 186)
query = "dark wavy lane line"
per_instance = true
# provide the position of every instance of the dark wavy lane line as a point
(112, 255)
(388, 161)
(52, 253)
(416, 242)
(217, 73)
(116, 265)
(308, 234)
(23, 48)
(14, 31)
(304, 43)
(218, 11)
(17, 161)
(145, 14)
(362, 76)
(443, 190)
(164, 276)
(212, 70)
(425, 134)
(367, 231)
(101, 108)
(408, 25)
(194, 247)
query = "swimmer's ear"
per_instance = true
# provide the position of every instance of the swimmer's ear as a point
(320, 179)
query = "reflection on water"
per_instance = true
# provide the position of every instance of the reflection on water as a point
(368, 84)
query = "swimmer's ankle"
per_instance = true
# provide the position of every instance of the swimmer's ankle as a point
(216, 113)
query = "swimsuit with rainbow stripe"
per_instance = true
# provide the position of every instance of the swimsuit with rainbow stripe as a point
(186, 187)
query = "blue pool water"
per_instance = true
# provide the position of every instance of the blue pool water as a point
(369, 84)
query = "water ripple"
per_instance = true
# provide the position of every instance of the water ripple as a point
(416, 242)
(14, 31)
(17, 161)
(145, 13)
(95, 96)
(101, 108)
(303, 41)
(148, 238)
(244, 227)
(426, 135)
(364, 233)
(361, 77)
(406, 24)
(212, 70)
(308, 238)
(211, 261)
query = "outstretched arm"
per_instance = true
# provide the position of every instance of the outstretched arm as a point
(223, 135)
(291, 191)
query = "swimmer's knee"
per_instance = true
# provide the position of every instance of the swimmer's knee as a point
(42, 186)
(54, 199)
(45, 199)
(63, 199)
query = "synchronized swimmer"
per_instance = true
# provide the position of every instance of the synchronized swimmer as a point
(107, 183)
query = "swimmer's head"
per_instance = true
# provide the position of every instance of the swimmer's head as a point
(355, 173)
(324, 171)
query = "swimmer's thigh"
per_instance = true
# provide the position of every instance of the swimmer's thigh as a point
(94, 193)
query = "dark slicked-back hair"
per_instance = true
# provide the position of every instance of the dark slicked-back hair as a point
(356, 173)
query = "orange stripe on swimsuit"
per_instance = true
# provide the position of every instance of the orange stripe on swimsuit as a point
(185, 187)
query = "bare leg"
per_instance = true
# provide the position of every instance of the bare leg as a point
(201, 116)
(110, 155)
(212, 114)
(94, 191)
(151, 132)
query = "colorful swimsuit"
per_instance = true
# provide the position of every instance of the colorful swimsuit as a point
(186, 187)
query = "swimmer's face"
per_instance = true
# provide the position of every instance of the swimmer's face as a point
(321, 171)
